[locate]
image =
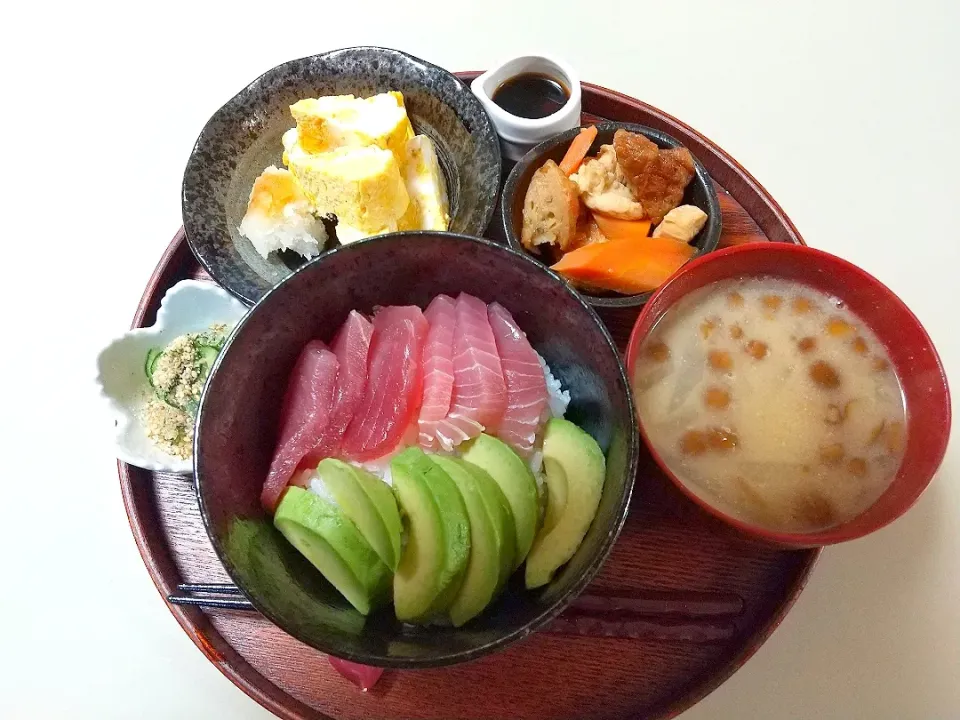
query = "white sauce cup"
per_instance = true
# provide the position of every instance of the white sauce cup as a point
(519, 134)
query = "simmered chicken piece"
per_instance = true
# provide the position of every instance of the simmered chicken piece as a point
(603, 187)
(682, 223)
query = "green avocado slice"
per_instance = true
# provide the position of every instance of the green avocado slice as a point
(341, 481)
(333, 544)
(386, 503)
(575, 470)
(484, 564)
(445, 536)
(516, 481)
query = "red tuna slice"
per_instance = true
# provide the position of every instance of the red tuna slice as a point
(441, 316)
(351, 346)
(479, 393)
(304, 416)
(526, 387)
(363, 676)
(391, 398)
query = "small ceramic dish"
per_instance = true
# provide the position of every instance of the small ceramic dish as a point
(243, 137)
(189, 306)
(911, 352)
(699, 192)
(519, 134)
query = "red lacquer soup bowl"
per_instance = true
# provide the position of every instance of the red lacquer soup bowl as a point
(911, 352)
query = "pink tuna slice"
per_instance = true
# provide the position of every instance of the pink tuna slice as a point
(351, 346)
(304, 416)
(441, 316)
(479, 393)
(391, 398)
(526, 387)
(363, 676)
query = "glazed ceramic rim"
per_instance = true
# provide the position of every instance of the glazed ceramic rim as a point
(550, 611)
(711, 231)
(820, 538)
(488, 130)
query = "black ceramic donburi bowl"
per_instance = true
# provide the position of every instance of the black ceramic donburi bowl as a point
(237, 428)
(699, 192)
(243, 137)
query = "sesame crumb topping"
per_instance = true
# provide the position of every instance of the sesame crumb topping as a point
(177, 377)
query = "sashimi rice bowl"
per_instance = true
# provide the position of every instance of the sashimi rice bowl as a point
(416, 449)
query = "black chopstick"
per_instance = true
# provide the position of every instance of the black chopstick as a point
(214, 588)
(234, 601)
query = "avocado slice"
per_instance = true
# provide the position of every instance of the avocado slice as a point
(498, 509)
(333, 544)
(386, 503)
(415, 584)
(438, 545)
(341, 482)
(515, 480)
(483, 566)
(575, 469)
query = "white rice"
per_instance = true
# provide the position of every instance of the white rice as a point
(298, 230)
(379, 467)
(559, 398)
(318, 487)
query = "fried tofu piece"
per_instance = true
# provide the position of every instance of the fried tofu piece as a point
(657, 177)
(551, 208)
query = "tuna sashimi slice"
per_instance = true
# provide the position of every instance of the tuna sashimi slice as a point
(527, 395)
(351, 346)
(363, 676)
(304, 416)
(391, 398)
(479, 393)
(441, 317)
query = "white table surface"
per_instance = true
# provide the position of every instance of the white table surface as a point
(846, 111)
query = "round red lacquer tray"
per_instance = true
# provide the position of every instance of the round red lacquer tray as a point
(691, 601)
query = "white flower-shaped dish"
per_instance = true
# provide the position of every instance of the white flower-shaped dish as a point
(189, 306)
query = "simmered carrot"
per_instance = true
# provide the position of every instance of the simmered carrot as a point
(587, 232)
(615, 229)
(578, 150)
(626, 266)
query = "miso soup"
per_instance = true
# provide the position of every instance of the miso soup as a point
(772, 402)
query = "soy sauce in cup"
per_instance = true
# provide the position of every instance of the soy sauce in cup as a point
(529, 98)
(531, 95)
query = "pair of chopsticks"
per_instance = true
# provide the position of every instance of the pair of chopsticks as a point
(223, 596)
(678, 617)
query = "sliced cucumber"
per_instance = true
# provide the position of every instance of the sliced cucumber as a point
(153, 354)
(208, 356)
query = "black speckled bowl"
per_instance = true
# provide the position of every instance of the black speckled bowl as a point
(243, 137)
(237, 426)
(700, 192)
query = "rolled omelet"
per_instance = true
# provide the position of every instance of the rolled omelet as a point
(362, 186)
(425, 186)
(337, 121)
